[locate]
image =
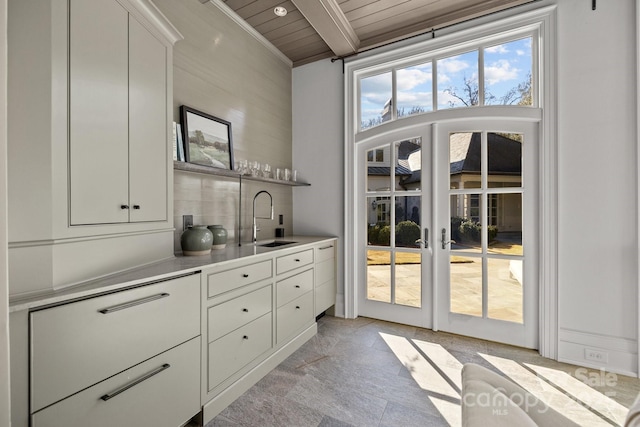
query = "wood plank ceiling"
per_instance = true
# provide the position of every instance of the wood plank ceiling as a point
(318, 29)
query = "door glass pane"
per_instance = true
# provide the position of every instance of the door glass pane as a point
(408, 228)
(379, 275)
(466, 285)
(507, 73)
(505, 160)
(375, 100)
(458, 81)
(505, 289)
(466, 231)
(504, 214)
(408, 166)
(465, 155)
(379, 220)
(414, 90)
(408, 279)
(378, 169)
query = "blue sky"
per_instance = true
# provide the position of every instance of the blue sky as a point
(506, 66)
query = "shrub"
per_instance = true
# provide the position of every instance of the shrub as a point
(379, 234)
(469, 231)
(407, 232)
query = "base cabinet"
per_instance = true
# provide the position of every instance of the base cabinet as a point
(163, 391)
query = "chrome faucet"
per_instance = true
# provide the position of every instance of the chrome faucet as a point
(254, 234)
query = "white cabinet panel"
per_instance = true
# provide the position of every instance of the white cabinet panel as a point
(98, 111)
(148, 139)
(78, 344)
(164, 391)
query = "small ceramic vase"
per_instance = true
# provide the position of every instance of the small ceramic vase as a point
(196, 240)
(219, 236)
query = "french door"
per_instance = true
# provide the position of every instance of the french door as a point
(394, 213)
(448, 228)
(486, 220)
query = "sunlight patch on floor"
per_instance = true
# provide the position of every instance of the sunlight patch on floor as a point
(584, 393)
(427, 377)
(546, 392)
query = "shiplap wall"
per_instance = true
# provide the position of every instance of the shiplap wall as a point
(222, 70)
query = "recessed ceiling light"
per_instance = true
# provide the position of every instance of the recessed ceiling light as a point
(280, 11)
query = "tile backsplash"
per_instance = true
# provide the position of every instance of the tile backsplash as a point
(215, 200)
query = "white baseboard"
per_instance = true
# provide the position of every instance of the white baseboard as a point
(619, 355)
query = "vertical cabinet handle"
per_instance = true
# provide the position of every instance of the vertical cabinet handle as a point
(135, 382)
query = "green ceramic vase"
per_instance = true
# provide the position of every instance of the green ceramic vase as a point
(219, 236)
(196, 240)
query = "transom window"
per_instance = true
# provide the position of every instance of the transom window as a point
(493, 73)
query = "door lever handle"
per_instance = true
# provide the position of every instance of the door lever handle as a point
(424, 241)
(444, 240)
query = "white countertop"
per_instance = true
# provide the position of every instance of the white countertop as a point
(176, 266)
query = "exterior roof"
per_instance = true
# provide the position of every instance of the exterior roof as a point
(386, 170)
(505, 154)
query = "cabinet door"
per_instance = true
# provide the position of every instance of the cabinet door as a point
(98, 112)
(148, 139)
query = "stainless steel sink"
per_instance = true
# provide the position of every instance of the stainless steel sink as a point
(276, 243)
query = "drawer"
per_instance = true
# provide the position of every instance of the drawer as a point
(218, 283)
(294, 316)
(325, 296)
(229, 354)
(325, 251)
(231, 315)
(289, 262)
(295, 286)
(79, 344)
(325, 271)
(164, 391)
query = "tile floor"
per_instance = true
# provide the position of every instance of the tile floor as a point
(366, 372)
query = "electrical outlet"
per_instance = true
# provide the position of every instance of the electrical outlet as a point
(280, 219)
(187, 221)
(596, 355)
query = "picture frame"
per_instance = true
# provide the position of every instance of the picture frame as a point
(207, 139)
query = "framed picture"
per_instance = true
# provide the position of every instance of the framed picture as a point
(207, 139)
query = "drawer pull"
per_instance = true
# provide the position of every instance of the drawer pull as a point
(246, 310)
(325, 247)
(133, 303)
(135, 382)
(297, 260)
(297, 286)
(245, 337)
(245, 275)
(297, 307)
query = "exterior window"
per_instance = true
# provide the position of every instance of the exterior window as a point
(376, 155)
(414, 90)
(458, 81)
(491, 74)
(507, 73)
(375, 100)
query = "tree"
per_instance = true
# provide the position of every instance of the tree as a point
(469, 95)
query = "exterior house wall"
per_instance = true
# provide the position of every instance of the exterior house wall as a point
(220, 69)
(596, 165)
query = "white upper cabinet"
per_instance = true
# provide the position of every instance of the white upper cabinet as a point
(118, 118)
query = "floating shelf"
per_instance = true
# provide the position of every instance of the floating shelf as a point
(192, 167)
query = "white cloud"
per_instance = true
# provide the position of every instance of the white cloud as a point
(500, 71)
(520, 52)
(452, 65)
(407, 79)
(500, 49)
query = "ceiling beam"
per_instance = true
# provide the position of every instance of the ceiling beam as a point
(326, 17)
